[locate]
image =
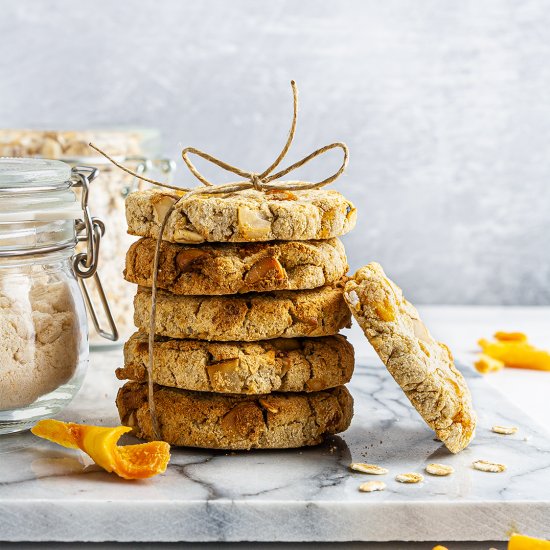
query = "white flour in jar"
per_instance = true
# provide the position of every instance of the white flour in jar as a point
(39, 339)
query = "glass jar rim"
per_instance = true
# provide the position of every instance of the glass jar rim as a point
(32, 174)
(36, 190)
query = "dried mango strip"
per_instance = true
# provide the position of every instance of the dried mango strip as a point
(516, 353)
(130, 462)
(521, 542)
(485, 364)
(510, 336)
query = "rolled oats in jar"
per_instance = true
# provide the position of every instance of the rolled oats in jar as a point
(137, 150)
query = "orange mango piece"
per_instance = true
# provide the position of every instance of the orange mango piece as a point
(485, 364)
(516, 353)
(521, 542)
(510, 336)
(385, 310)
(100, 443)
(439, 547)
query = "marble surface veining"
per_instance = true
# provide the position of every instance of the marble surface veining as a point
(51, 493)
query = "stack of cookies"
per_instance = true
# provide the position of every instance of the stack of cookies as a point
(247, 352)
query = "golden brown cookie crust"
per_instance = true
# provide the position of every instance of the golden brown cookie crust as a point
(246, 216)
(216, 421)
(246, 317)
(423, 367)
(237, 268)
(283, 364)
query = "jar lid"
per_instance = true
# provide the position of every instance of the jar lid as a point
(36, 190)
(33, 174)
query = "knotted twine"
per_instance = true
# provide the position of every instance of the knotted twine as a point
(263, 182)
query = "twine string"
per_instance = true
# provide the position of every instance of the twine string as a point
(152, 328)
(135, 174)
(262, 182)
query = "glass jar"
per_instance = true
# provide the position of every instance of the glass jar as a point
(136, 149)
(43, 327)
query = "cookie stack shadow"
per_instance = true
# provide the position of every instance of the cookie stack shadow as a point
(250, 302)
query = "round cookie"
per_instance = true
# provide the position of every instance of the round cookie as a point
(283, 364)
(216, 421)
(423, 367)
(247, 317)
(244, 216)
(226, 268)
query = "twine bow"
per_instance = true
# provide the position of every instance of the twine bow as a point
(263, 182)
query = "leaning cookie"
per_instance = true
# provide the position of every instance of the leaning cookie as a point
(246, 216)
(282, 364)
(227, 268)
(216, 421)
(246, 317)
(423, 367)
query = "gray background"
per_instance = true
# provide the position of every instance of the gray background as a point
(445, 106)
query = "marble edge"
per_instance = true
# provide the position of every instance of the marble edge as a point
(227, 520)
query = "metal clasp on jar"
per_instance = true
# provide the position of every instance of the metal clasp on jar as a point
(90, 230)
(163, 165)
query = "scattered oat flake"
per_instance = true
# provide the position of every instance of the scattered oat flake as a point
(486, 466)
(368, 468)
(439, 469)
(409, 478)
(371, 486)
(504, 430)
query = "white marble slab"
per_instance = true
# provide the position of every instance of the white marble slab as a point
(51, 493)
